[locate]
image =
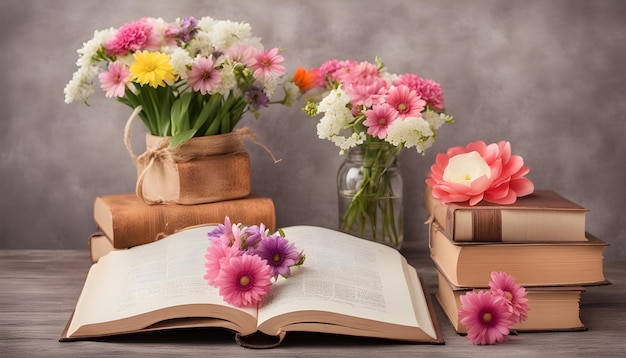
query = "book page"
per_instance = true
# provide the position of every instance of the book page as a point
(345, 275)
(145, 278)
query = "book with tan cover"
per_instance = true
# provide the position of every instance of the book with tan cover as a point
(553, 308)
(347, 286)
(548, 263)
(541, 216)
(128, 221)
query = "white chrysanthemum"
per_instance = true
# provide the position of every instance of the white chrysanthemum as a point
(201, 44)
(225, 33)
(412, 132)
(333, 122)
(269, 86)
(228, 81)
(346, 143)
(205, 24)
(436, 120)
(90, 48)
(81, 84)
(180, 60)
(337, 99)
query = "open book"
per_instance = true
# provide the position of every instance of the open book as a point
(347, 286)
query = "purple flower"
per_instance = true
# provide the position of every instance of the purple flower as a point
(279, 253)
(257, 98)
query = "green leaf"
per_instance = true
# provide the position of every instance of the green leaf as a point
(182, 137)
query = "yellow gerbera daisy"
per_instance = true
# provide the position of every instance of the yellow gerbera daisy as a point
(153, 68)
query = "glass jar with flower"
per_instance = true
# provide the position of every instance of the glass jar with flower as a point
(372, 115)
(185, 80)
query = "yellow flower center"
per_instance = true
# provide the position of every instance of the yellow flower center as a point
(402, 107)
(276, 257)
(487, 317)
(508, 295)
(244, 281)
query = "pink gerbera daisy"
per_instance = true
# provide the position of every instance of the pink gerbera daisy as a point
(406, 101)
(203, 77)
(245, 280)
(267, 63)
(217, 255)
(486, 317)
(114, 81)
(242, 53)
(379, 118)
(503, 284)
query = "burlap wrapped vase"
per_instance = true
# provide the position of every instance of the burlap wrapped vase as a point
(202, 170)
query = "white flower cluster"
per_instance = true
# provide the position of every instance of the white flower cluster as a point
(418, 132)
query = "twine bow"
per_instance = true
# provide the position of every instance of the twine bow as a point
(161, 152)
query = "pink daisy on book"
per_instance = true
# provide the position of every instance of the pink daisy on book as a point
(245, 280)
(486, 317)
(267, 64)
(114, 82)
(503, 285)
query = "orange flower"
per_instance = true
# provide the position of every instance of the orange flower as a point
(307, 80)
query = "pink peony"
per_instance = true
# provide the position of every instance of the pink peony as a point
(479, 171)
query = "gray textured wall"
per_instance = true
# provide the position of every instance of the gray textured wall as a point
(548, 76)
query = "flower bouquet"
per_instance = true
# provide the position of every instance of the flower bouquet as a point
(188, 77)
(243, 260)
(364, 106)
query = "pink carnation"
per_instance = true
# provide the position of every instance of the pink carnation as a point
(478, 172)
(133, 36)
(429, 90)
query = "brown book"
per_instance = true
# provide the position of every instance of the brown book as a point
(555, 308)
(550, 263)
(128, 221)
(99, 245)
(541, 216)
(161, 286)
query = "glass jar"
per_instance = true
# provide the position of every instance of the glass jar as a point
(369, 187)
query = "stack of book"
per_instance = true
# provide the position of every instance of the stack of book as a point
(540, 240)
(124, 220)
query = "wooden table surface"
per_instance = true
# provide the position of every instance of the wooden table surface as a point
(39, 289)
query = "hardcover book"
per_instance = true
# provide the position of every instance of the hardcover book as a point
(541, 216)
(549, 263)
(555, 308)
(128, 221)
(348, 286)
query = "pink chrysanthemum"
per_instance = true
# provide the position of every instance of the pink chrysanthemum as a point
(429, 90)
(216, 256)
(486, 317)
(267, 63)
(405, 101)
(133, 36)
(203, 77)
(242, 53)
(503, 285)
(245, 280)
(379, 118)
(479, 171)
(114, 81)
(366, 92)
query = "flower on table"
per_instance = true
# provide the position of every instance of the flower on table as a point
(490, 315)
(243, 260)
(190, 77)
(479, 171)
